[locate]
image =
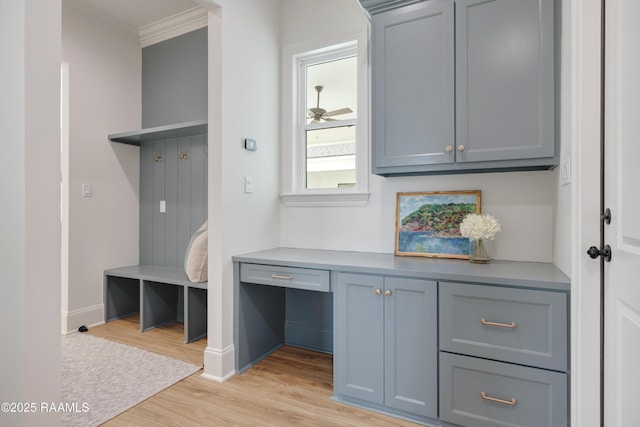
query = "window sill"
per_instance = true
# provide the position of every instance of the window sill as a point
(326, 199)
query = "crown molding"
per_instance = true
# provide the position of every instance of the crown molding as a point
(376, 6)
(173, 26)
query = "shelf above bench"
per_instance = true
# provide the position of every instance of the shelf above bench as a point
(137, 137)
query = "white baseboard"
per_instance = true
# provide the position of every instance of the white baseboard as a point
(219, 365)
(89, 316)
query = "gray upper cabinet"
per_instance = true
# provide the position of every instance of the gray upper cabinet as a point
(504, 80)
(413, 85)
(463, 86)
(386, 346)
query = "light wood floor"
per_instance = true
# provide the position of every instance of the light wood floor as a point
(166, 340)
(291, 387)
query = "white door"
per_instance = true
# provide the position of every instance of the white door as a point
(622, 196)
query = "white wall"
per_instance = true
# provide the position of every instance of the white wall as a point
(29, 219)
(585, 211)
(244, 49)
(523, 201)
(105, 97)
(562, 217)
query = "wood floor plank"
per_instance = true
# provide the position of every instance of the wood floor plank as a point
(167, 340)
(291, 387)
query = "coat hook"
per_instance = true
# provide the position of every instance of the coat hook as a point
(157, 157)
(182, 156)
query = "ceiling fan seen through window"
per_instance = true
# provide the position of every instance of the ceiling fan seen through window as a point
(318, 114)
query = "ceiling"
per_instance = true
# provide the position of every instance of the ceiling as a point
(138, 13)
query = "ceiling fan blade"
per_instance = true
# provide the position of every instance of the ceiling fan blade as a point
(338, 112)
(329, 119)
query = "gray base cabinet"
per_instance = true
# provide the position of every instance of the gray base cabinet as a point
(463, 86)
(484, 393)
(482, 327)
(438, 342)
(523, 326)
(386, 343)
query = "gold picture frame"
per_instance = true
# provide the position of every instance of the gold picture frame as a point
(428, 222)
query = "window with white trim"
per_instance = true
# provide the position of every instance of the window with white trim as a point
(325, 111)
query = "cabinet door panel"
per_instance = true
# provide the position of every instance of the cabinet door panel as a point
(504, 79)
(411, 346)
(358, 357)
(413, 69)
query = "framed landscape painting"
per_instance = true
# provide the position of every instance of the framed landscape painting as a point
(428, 223)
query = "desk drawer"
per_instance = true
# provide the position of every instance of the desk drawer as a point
(288, 277)
(527, 327)
(479, 393)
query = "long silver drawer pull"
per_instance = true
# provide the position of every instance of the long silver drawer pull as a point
(280, 276)
(511, 325)
(511, 402)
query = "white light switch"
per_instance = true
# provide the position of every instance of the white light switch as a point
(248, 184)
(163, 206)
(87, 190)
(565, 172)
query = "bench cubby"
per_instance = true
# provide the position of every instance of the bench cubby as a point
(155, 293)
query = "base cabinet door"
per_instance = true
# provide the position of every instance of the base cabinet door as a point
(359, 338)
(386, 349)
(411, 351)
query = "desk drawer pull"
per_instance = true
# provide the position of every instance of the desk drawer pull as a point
(280, 276)
(512, 402)
(511, 325)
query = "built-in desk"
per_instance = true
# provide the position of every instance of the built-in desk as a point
(277, 304)
(431, 340)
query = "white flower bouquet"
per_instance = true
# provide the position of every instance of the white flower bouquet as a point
(477, 227)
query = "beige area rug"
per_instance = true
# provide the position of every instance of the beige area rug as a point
(101, 378)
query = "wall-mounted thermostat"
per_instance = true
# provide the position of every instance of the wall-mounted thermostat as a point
(250, 144)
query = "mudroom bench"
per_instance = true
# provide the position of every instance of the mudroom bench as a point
(156, 293)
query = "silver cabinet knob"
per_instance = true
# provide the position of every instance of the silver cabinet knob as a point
(378, 292)
(461, 148)
(387, 293)
(448, 148)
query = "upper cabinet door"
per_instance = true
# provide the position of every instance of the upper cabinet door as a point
(413, 85)
(505, 80)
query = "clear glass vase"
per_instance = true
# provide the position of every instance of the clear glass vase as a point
(479, 252)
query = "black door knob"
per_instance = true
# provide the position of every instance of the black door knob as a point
(593, 252)
(605, 252)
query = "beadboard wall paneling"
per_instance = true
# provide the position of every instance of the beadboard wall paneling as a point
(172, 170)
